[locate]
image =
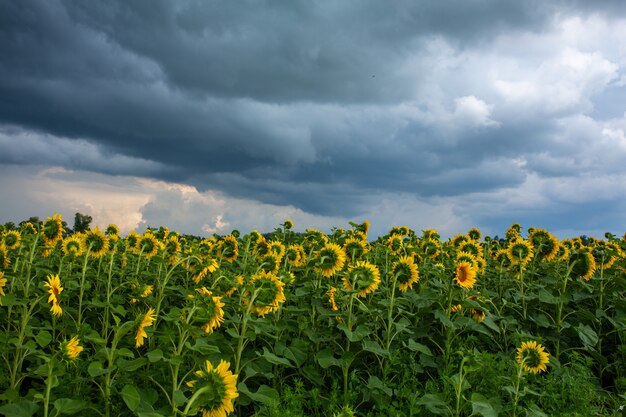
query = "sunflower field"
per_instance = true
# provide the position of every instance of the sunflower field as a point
(310, 324)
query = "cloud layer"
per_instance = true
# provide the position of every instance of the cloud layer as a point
(448, 115)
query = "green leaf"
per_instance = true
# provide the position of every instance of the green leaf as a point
(69, 405)
(127, 353)
(374, 383)
(587, 335)
(96, 369)
(534, 411)
(43, 338)
(155, 355)
(418, 347)
(149, 414)
(482, 407)
(131, 366)
(264, 394)
(374, 347)
(131, 397)
(355, 335)
(20, 409)
(439, 315)
(276, 360)
(435, 404)
(179, 397)
(326, 358)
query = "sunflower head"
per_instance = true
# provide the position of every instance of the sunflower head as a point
(111, 230)
(354, 248)
(288, 224)
(217, 387)
(363, 277)
(458, 239)
(96, 242)
(474, 234)
(29, 229)
(395, 243)
(74, 245)
(472, 247)
(72, 348)
(11, 239)
(3, 283)
(4, 257)
(52, 229)
(520, 252)
(211, 309)
(532, 357)
(582, 263)
(270, 293)
(465, 274)
(331, 259)
(270, 263)
(430, 248)
(430, 234)
(148, 244)
(229, 248)
(277, 248)
(544, 243)
(405, 273)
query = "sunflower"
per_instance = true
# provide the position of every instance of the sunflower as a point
(270, 293)
(11, 239)
(458, 239)
(29, 229)
(3, 283)
(582, 263)
(74, 245)
(314, 239)
(430, 247)
(213, 306)
(467, 257)
(270, 263)
(262, 247)
(545, 244)
(210, 266)
(148, 245)
(430, 234)
(72, 348)
(405, 271)
(229, 248)
(520, 252)
(277, 248)
(472, 247)
(474, 234)
(172, 245)
(52, 229)
(112, 230)
(456, 308)
(477, 314)
(218, 387)
(331, 298)
(395, 243)
(533, 357)
(96, 242)
(288, 224)
(502, 258)
(147, 321)
(513, 232)
(363, 278)
(331, 259)
(354, 248)
(147, 290)
(132, 239)
(295, 255)
(4, 257)
(465, 274)
(54, 289)
(563, 252)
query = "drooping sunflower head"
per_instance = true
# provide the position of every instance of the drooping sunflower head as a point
(501, 257)
(478, 314)
(520, 252)
(112, 230)
(208, 265)
(331, 298)
(563, 252)
(172, 245)
(96, 242)
(582, 263)
(262, 247)
(52, 229)
(331, 259)
(3, 283)
(395, 243)
(205, 247)
(74, 245)
(132, 240)
(270, 263)
(211, 309)
(465, 274)
(472, 247)
(467, 257)
(406, 273)
(295, 255)
(430, 234)
(146, 321)
(544, 243)
(355, 248)
(513, 232)
(458, 239)
(288, 224)
(314, 239)
(11, 239)
(475, 234)
(29, 229)
(54, 289)
(430, 248)
(148, 245)
(533, 357)
(277, 248)
(270, 293)
(363, 277)
(217, 387)
(229, 248)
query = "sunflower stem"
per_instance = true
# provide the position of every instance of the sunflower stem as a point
(82, 290)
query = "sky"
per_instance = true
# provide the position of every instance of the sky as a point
(207, 116)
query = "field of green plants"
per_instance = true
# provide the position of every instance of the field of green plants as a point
(310, 324)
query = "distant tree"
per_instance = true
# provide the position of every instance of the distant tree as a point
(81, 222)
(9, 226)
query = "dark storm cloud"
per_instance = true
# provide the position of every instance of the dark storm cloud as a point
(315, 104)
